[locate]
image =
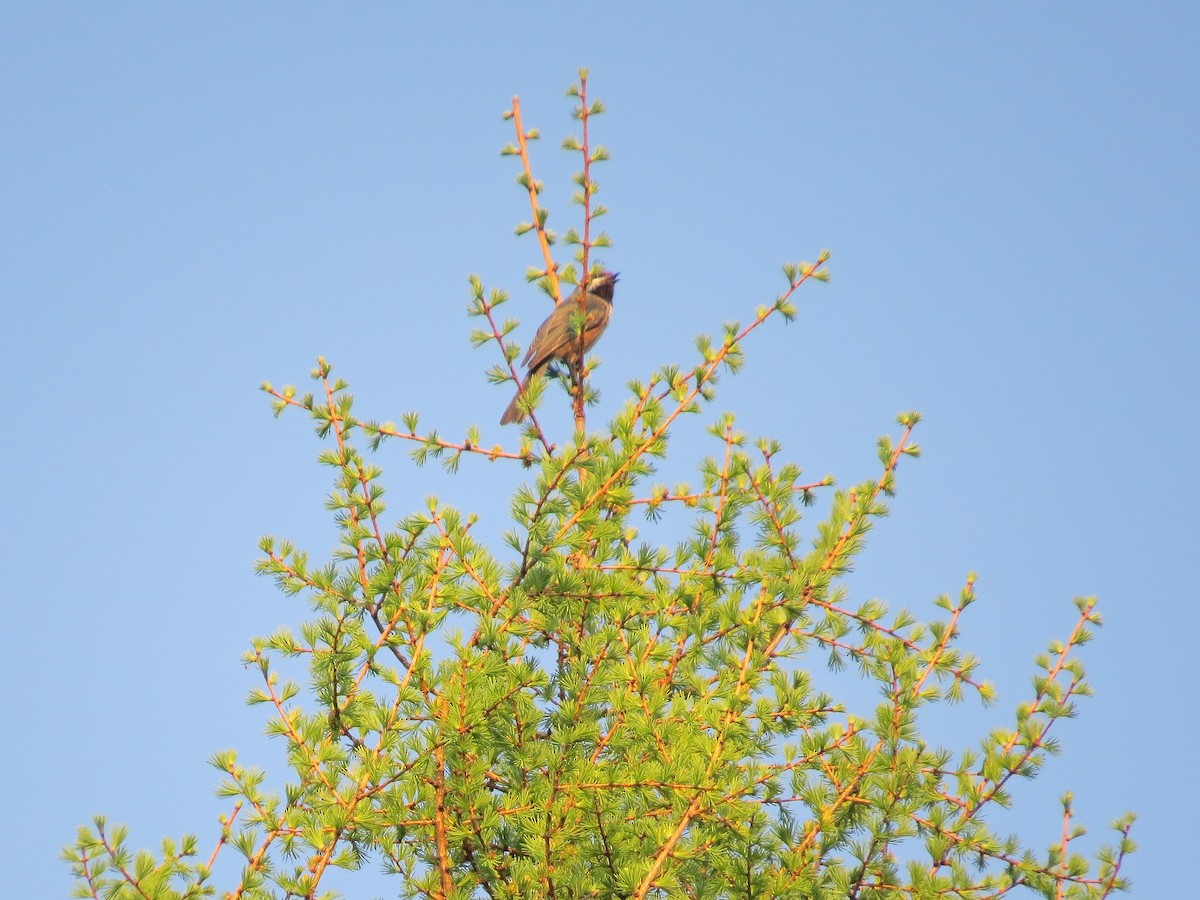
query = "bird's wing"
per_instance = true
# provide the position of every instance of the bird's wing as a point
(548, 335)
(554, 336)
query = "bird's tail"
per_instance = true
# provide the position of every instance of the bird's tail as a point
(511, 413)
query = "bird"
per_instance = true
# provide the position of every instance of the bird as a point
(557, 341)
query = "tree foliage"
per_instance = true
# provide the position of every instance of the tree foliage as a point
(587, 711)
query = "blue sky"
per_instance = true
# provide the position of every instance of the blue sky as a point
(200, 197)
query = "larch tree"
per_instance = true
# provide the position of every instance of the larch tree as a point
(589, 711)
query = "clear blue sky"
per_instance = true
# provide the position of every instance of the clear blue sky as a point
(197, 197)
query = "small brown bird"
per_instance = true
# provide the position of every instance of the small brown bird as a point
(555, 340)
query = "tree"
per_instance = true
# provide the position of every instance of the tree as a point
(589, 712)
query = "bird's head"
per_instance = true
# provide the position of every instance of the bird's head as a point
(602, 283)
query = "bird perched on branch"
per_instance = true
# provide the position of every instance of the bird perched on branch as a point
(557, 341)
